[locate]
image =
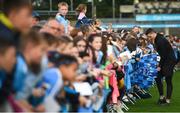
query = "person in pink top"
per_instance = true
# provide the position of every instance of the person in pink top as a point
(82, 19)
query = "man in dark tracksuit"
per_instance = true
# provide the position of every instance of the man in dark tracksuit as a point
(166, 65)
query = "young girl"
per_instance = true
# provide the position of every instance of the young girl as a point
(80, 43)
(82, 19)
(95, 45)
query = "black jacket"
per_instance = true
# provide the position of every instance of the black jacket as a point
(165, 50)
(10, 35)
(83, 21)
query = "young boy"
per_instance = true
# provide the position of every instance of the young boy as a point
(64, 70)
(61, 16)
(15, 18)
(56, 78)
(7, 55)
(28, 68)
(7, 62)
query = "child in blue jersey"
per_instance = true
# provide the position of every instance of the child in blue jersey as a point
(28, 69)
(7, 62)
(61, 16)
(64, 70)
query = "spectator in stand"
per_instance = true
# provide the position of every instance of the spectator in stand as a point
(15, 18)
(82, 19)
(137, 30)
(53, 27)
(35, 18)
(7, 62)
(28, 70)
(61, 16)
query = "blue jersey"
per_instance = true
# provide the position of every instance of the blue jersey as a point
(53, 78)
(24, 79)
(62, 20)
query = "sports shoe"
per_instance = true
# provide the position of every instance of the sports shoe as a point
(162, 101)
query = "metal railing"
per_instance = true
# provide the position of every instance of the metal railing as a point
(53, 12)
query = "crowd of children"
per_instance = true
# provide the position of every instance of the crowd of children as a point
(51, 66)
